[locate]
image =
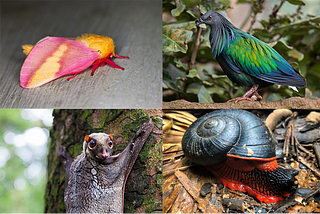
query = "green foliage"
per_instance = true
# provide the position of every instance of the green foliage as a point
(175, 36)
(295, 36)
(296, 2)
(30, 197)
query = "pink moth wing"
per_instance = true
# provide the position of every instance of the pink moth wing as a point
(53, 57)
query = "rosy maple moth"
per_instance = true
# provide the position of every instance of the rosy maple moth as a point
(53, 57)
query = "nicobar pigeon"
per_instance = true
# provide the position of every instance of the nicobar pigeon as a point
(245, 59)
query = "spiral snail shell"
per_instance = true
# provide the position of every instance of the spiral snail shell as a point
(237, 133)
(238, 148)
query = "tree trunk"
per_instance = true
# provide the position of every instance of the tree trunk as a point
(143, 187)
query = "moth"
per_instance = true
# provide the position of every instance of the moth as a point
(53, 57)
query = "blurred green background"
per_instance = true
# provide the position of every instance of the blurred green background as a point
(289, 26)
(24, 136)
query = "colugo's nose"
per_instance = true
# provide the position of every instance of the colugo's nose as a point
(104, 155)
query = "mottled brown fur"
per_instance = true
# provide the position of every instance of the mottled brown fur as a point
(94, 186)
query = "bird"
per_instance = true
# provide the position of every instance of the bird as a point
(246, 60)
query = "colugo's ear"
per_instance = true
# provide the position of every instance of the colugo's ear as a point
(111, 137)
(85, 142)
(86, 138)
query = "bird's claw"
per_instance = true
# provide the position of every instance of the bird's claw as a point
(241, 98)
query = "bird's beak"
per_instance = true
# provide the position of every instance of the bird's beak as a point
(199, 21)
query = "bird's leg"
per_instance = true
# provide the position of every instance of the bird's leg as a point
(248, 94)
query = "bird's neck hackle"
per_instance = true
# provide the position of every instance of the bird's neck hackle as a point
(221, 34)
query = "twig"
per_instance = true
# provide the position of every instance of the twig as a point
(302, 148)
(195, 48)
(285, 150)
(311, 194)
(317, 151)
(304, 162)
(293, 142)
(254, 17)
(305, 48)
(314, 38)
(297, 11)
(204, 206)
(275, 117)
(255, 13)
(196, 45)
(177, 169)
(273, 15)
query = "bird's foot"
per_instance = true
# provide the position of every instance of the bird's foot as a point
(241, 98)
(248, 94)
(257, 95)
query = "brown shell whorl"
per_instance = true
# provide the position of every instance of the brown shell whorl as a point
(239, 133)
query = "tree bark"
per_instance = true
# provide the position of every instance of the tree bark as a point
(143, 187)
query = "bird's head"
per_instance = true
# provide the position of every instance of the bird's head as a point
(209, 18)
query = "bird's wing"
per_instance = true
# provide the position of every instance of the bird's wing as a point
(256, 58)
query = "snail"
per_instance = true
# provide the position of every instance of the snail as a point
(239, 150)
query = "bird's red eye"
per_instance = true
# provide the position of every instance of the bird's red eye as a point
(209, 17)
(92, 144)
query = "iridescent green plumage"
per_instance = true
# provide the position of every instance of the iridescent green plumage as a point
(245, 59)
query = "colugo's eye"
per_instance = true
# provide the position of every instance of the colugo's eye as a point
(92, 144)
(110, 143)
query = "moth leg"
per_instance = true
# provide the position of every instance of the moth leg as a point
(112, 64)
(72, 76)
(120, 57)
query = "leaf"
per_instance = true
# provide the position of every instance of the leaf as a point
(211, 5)
(179, 64)
(206, 41)
(299, 27)
(192, 73)
(175, 36)
(190, 11)
(244, 2)
(190, 78)
(225, 3)
(296, 2)
(204, 96)
(170, 82)
(178, 10)
(191, 3)
(296, 54)
(282, 48)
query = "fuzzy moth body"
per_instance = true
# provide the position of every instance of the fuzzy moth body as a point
(53, 57)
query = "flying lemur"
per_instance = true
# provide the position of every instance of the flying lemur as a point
(95, 180)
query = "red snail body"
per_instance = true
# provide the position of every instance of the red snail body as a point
(238, 148)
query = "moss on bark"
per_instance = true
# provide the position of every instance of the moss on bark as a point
(69, 129)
